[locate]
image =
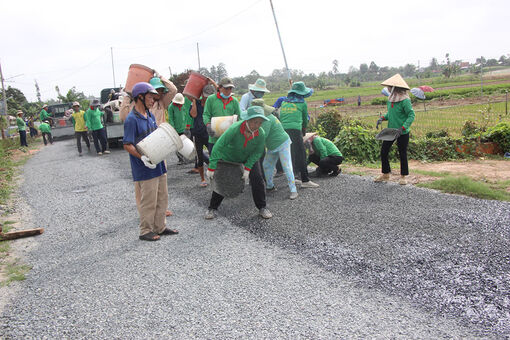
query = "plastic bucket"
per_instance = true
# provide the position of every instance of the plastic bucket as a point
(188, 148)
(195, 85)
(228, 179)
(61, 122)
(160, 143)
(221, 124)
(116, 117)
(136, 74)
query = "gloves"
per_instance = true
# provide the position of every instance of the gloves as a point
(210, 174)
(246, 175)
(210, 131)
(147, 162)
(187, 133)
(400, 131)
(379, 122)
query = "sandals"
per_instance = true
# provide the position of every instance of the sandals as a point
(150, 236)
(168, 231)
(168, 213)
(203, 184)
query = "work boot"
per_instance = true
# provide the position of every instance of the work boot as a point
(106, 152)
(293, 195)
(265, 213)
(99, 153)
(335, 173)
(309, 184)
(382, 178)
(210, 214)
(402, 180)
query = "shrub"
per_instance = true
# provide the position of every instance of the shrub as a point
(379, 101)
(435, 149)
(500, 133)
(329, 124)
(358, 144)
(437, 134)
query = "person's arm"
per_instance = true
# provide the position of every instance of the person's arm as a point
(193, 110)
(172, 91)
(125, 107)
(171, 118)
(206, 116)
(237, 108)
(320, 148)
(408, 109)
(211, 81)
(132, 150)
(304, 114)
(244, 102)
(73, 121)
(385, 116)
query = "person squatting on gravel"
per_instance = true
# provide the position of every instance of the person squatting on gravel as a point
(400, 116)
(294, 118)
(278, 148)
(324, 153)
(243, 142)
(150, 180)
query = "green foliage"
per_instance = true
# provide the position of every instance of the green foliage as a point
(500, 133)
(437, 134)
(435, 149)
(470, 129)
(379, 101)
(358, 144)
(467, 186)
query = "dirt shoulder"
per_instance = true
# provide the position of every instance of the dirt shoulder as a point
(480, 169)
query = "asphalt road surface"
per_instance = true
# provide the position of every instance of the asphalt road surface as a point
(350, 260)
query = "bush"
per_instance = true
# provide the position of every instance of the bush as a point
(436, 149)
(358, 144)
(379, 101)
(437, 134)
(500, 133)
(329, 124)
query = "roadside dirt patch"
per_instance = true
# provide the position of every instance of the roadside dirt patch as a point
(480, 169)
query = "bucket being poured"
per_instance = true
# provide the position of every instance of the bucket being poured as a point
(160, 143)
(228, 179)
(195, 85)
(188, 148)
(221, 124)
(136, 74)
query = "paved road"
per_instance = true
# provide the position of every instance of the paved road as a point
(352, 259)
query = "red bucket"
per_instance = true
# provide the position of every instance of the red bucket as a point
(62, 122)
(136, 74)
(195, 85)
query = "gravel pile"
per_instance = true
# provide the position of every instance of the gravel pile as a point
(351, 259)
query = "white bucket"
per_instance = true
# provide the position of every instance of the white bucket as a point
(221, 124)
(160, 143)
(188, 148)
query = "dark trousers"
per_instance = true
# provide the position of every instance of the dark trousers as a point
(402, 143)
(23, 138)
(33, 132)
(50, 137)
(99, 136)
(298, 153)
(200, 141)
(327, 164)
(79, 135)
(210, 146)
(258, 190)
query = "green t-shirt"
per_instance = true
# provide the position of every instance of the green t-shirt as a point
(324, 147)
(275, 134)
(21, 124)
(177, 117)
(215, 106)
(400, 114)
(43, 115)
(233, 146)
(93, 119)
(294, 116)
(45, 127)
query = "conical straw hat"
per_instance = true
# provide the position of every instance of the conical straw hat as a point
(396, 81)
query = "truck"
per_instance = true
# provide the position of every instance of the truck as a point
(62, 126)
(110, 100)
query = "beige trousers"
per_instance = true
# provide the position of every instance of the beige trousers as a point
(151, 201)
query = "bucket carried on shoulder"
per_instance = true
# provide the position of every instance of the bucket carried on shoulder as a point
(160, 143)
(221, 124)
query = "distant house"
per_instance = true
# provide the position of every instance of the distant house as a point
(464, 65)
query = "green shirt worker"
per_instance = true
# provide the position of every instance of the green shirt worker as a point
(44, 115)
(220, 105)
(45, 129)
(22, 129)
(80, 128)
(324, 153)
(243, 142)
(93, 121)
(400, 116)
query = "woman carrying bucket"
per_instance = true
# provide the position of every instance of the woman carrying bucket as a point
(221, 105)
(278, 148)
(243, 142)
(400, 116)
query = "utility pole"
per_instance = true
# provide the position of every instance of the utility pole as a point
(281, 44)
(113, 68)
(198, 54)
(169, 69)
(4, 113)
(481, 75)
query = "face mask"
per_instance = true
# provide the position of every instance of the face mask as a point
(224, 96)
(258, 94)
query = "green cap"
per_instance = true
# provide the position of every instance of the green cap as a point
(157, 84)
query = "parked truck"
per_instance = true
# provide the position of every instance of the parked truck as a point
(111, 99)
(62, 126)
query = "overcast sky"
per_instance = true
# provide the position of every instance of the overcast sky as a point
(68, 43)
